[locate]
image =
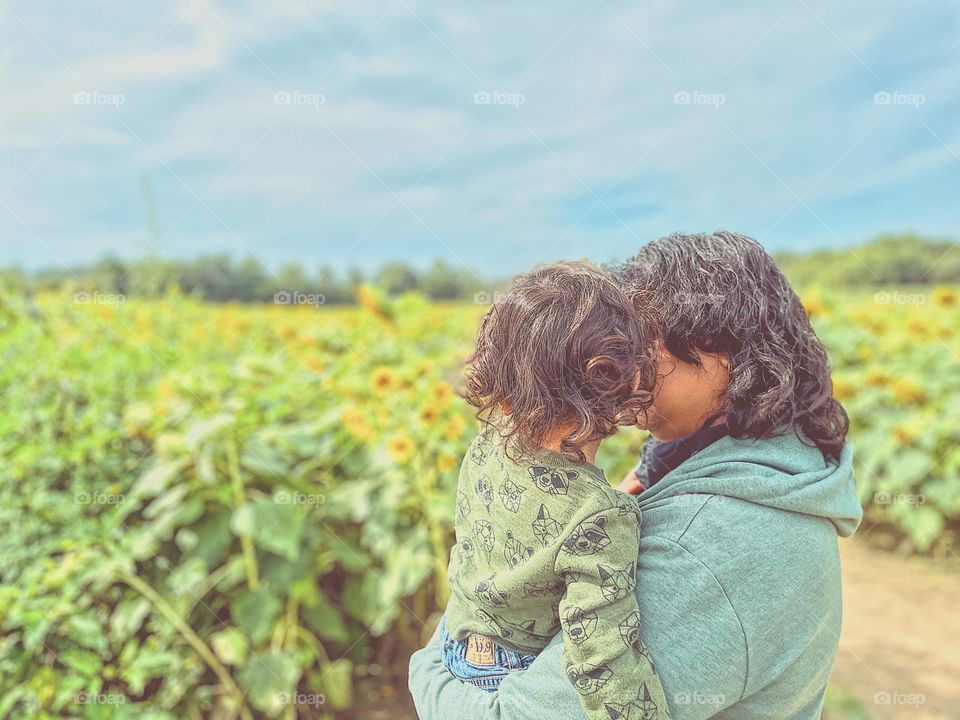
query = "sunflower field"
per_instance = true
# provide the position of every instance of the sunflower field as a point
(243, 511)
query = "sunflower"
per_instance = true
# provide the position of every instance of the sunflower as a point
(400, 447)
(455, 427)
(902, 434)
(945, 297)
(907, 391)
(429, 415)
(383, 380)
(314, 364)
(357, 424)
(814, 305)
(442, 392)
(843, 390)
(446, 463)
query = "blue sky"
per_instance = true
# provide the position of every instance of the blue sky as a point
(492, 135)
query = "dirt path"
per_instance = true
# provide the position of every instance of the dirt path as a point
(900, 646)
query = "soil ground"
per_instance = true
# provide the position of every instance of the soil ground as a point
(900, 645)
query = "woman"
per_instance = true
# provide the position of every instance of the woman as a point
(738, 571)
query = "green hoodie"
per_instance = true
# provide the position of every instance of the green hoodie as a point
(738, 584)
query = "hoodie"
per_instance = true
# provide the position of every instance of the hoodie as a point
(738, 584)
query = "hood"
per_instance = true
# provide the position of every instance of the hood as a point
(781, 472)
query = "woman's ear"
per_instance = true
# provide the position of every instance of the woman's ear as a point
(505, 408)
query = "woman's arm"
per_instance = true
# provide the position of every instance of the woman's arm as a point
(689, 628)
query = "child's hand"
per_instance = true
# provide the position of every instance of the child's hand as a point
(631, 484)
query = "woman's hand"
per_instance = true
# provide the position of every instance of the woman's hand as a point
(631, 484)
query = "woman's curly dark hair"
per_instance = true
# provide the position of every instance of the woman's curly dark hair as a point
(722, 293)
(564, 345)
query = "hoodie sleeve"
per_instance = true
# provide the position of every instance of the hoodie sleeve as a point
(603, 653)
(689, 628)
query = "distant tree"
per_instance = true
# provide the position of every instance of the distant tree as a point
(397, 278)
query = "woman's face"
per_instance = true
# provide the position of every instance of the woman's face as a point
(685, 395)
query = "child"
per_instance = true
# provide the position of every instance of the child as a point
(543, 542)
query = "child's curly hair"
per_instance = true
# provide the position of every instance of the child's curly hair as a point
(565, 346)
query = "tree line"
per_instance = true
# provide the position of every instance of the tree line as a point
(891, 259)
(221, 278)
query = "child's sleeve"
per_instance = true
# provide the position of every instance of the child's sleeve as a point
(603, 655)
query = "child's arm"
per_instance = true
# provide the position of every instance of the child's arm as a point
(604, 657)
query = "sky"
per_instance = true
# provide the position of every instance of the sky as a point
(492, 135)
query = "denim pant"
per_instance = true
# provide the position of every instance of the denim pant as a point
(484, 676)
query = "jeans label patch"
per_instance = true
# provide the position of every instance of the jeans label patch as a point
(480, 650)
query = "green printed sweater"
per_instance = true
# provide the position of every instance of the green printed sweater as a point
(544, 545)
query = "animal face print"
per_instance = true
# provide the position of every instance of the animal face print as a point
(495, 623)
(511, 494)
(614, 583)
(484, 532)
(553, 481)
(480, 450)
(588, 538)
(487, 592)
(529, 628)
(545, 529)
(484, 490)
(463, 504)
(630, 629)
(534, 590)
(642, 708)
(578, 624)
(588, 678)
(516, 552)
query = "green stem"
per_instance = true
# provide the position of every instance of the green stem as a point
(201, 648)
(239, 497)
